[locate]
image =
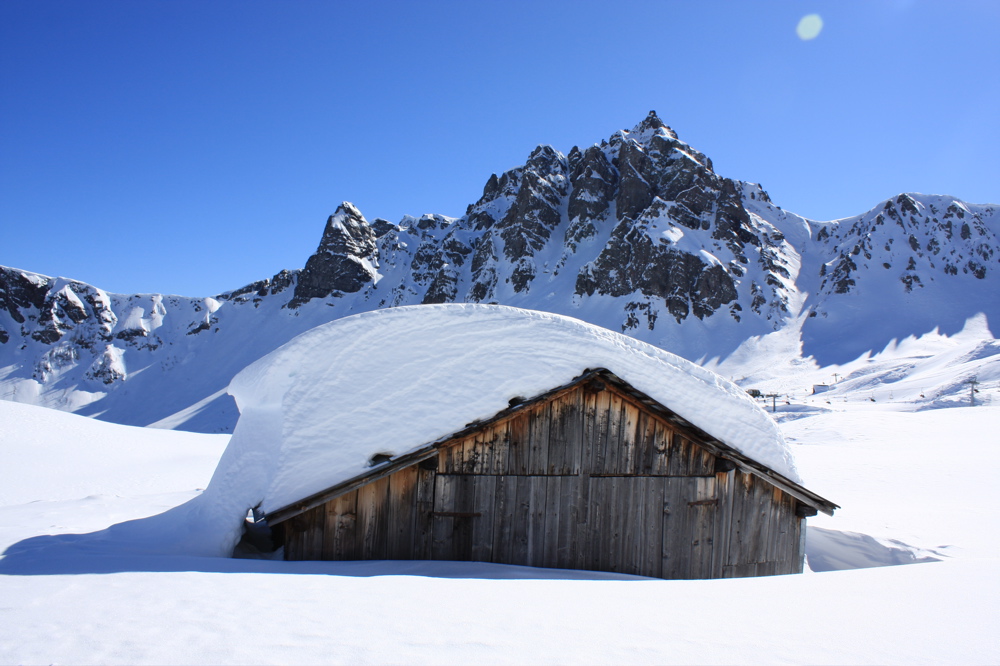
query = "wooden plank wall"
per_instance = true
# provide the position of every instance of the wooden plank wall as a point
(586, 480)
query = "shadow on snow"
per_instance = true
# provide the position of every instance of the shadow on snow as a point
(98, 553)
(832, 550)
(102, 553)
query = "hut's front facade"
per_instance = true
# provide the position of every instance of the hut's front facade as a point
(590, 475)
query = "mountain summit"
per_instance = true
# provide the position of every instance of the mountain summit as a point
(636, 233)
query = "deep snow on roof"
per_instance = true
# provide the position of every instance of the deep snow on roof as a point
(314, 411)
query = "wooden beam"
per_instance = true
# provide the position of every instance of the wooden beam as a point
(303, 505)
(804, 511)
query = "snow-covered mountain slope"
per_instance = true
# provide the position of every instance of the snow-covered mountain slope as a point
(89, 575)
(637, 234)
(911, 264)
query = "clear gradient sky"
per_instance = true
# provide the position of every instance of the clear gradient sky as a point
(191, 147)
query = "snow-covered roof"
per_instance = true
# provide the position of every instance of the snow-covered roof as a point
(314, 412)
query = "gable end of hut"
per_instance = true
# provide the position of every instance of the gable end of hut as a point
(592, 475)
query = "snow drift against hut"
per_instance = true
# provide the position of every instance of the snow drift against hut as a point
(315, 411)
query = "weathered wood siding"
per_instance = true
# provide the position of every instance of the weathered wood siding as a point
(588, 479)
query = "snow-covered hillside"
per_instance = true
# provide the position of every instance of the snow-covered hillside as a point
(75, 592)
(636, 234)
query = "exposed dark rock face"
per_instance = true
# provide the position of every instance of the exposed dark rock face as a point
(438, 260)
(18, 292)
(108, 367)
(55, 359)
(518, 211)
(345, 261)
(684, 281)
(255, 291)
(663, 182)
(930, 244)
(484, 269)
(637, 179)
(382, 227)
(594, 182)
(47, 311)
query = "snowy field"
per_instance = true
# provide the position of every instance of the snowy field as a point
(916, 487)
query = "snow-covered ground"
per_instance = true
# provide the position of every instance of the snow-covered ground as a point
(915, 486)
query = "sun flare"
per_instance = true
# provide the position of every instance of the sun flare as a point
(809, 27)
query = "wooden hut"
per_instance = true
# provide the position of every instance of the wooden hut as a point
(592, 475)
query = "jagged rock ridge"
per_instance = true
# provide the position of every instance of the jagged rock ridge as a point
(623, 216)
(637, 233)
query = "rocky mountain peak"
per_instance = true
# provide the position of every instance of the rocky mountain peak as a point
(546, 160)
(345, 220)
(651, 124)
(345, 261)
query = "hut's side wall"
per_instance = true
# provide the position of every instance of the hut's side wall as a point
(757, 528)
(586, 480)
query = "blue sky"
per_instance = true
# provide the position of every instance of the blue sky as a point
(193, 147)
